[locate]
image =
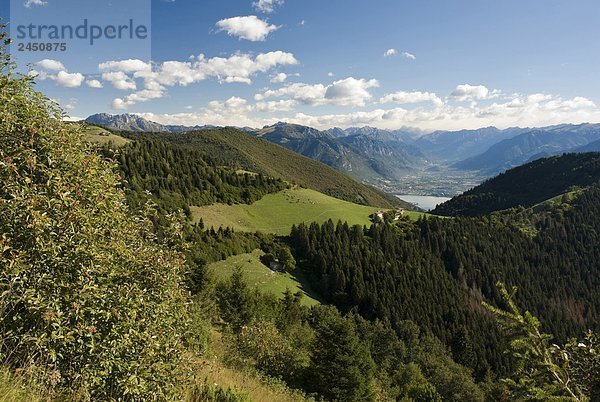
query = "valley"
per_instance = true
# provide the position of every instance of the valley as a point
(441, 163)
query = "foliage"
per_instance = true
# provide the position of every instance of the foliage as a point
(236, 301)
(89, 297)
(341, 367)
(273, 353)
(546, 371)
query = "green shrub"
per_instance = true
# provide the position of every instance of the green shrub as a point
(271, 352)
(89, 298)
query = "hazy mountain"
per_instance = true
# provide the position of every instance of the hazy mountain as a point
(450, 146)
(132, 122)
(365, 153)
(531, 145)
(404, 135)
(591, 147)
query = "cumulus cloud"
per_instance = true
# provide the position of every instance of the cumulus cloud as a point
(126, 66)
(72, 104)
(49, 64)
(403, 98)
(351, 91)
(29, 3)
(238, 68)
(467, 92)
(516, 110)
(94, 84)
(283, 105)
(347, 92)
(248, 27)
(267, 6)
(54, 70)
(390, 53)
(119, 80)
(69, 80)
(279, 78)
(409, 56)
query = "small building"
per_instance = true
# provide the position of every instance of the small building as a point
(276, 266)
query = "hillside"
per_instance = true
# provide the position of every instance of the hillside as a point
(230, 146)
(276, 213)
(260, 277)
(526, 185)
(100, 136)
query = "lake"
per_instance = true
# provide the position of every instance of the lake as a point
(426, 202)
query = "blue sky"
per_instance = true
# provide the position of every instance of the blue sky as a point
(387, 63)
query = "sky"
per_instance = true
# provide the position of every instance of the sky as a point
(427, 64)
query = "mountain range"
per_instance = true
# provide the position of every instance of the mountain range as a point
(370, 154)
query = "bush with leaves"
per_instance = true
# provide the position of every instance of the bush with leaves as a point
(272, 353)
(89, 297)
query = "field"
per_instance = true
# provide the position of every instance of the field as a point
(261, 277)
(276, 213)
(98, 135)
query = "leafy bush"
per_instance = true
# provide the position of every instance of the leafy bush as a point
(89, 297)
(272, 352)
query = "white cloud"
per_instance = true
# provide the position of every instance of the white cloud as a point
(283, 105)
(279, 78)
(52, 65)
(29, 3)
(466, 92)
(517, 110)
(347, 92)
(403, 97)
(72, 104)
(351, 91)
(238, 68)
(390, 53)
(69, 80)
(330, 74)
(267, 6)
(409, 56)
(94, 84)
(54, 70)
(249, 27)
(127, 66)
(119, 80)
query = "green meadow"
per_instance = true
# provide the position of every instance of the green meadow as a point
(261, 277)
(276, 213)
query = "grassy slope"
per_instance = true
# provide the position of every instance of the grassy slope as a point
(98, 135)
(276, 213)
(254, 154)
(261, 277)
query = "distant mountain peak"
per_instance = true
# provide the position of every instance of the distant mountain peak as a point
(133, 122)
